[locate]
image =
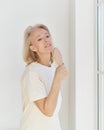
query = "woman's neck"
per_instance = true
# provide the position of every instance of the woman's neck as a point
(45, 60)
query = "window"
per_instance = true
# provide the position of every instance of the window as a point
(100, 62)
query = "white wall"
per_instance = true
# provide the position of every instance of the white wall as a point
(85, 91)
(15, 16)
(71, 23)
(72, 65)
(82, 65)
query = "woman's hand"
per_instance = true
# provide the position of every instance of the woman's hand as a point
(57, 57)
(61, 72)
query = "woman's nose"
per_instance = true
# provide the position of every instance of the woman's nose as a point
(46, 40)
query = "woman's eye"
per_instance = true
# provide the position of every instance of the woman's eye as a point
(39, 39)
(47, 36)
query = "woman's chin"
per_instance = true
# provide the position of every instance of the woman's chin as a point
(50, 49)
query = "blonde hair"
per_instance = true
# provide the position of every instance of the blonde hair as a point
(28, 55)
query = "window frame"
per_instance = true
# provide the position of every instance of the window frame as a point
(98, 72)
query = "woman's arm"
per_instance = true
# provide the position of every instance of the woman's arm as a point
(47, 105)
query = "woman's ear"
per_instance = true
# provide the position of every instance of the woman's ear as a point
(32, 48)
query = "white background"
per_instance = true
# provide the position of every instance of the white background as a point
(15, 16)
(83, 88)
(72, 24)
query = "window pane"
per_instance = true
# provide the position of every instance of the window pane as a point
(100, 1)
(100, 38)
(101, 101)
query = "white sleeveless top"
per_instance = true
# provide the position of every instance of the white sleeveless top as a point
(36, 83)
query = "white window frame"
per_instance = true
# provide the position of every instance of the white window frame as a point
(98, 73)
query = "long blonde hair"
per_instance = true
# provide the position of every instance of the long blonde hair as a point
(28, 55)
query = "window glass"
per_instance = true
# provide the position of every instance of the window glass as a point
(100, 39)
(101, 102)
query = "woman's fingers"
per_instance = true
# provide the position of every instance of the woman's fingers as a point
(57, 56)
(61, 71)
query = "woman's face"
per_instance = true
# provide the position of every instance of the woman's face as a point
(41, 41)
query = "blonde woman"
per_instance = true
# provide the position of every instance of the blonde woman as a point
(41, 80)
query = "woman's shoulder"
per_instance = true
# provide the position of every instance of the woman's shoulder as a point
(38, 68)
(31, 68)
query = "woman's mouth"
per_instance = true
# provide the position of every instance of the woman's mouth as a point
(48, 46)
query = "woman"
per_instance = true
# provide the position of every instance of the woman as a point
(41, 80)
